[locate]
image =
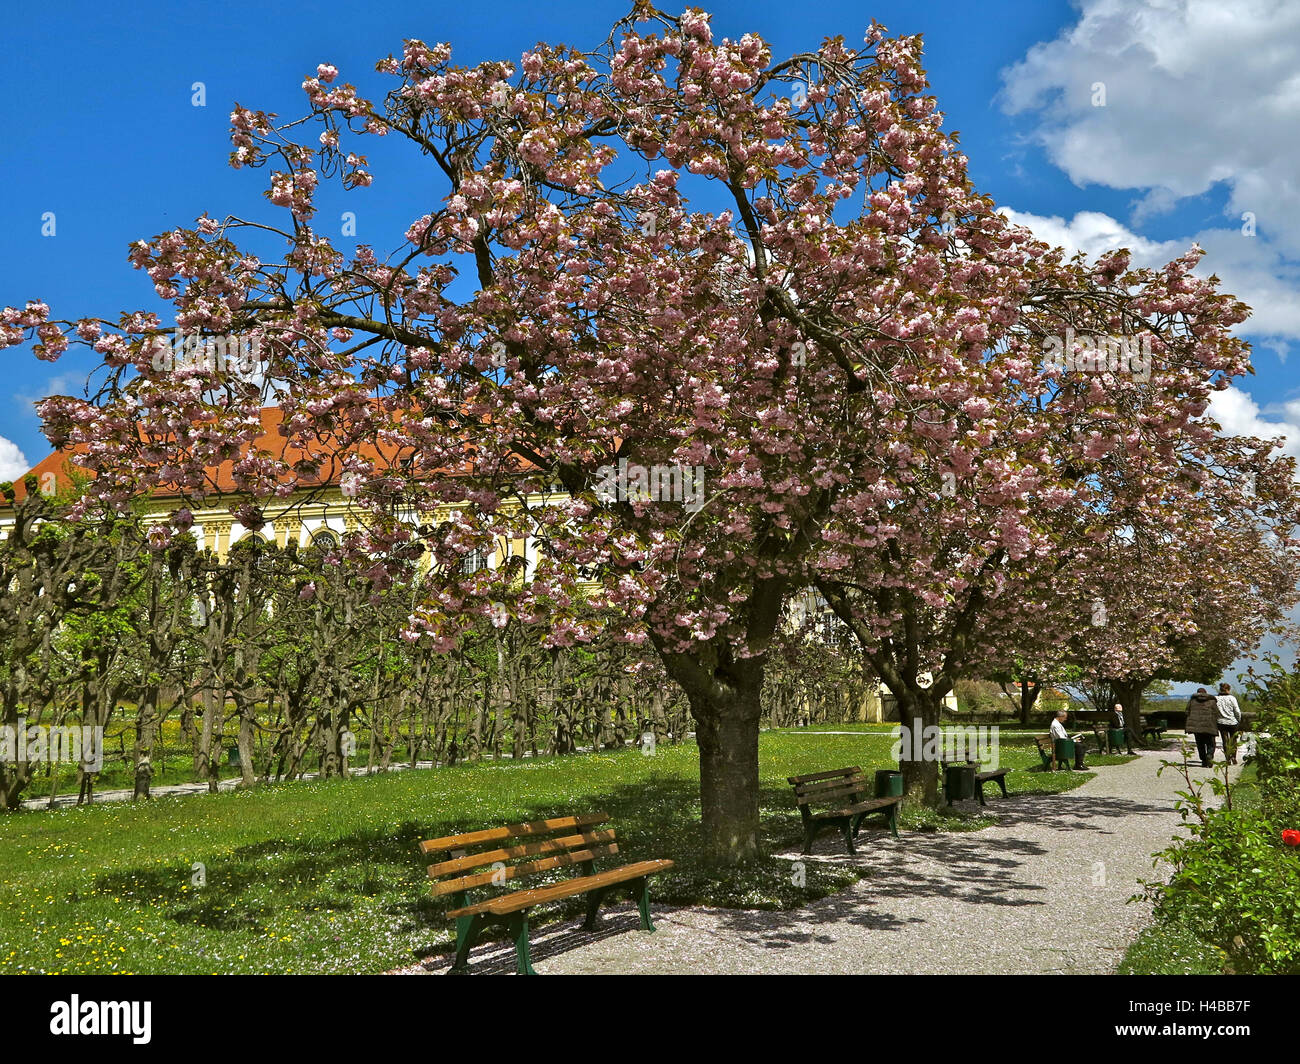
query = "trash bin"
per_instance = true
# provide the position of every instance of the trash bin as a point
(232, 756)
(889, 783)
(1064, 750)
(959, 782)
(1116, 738)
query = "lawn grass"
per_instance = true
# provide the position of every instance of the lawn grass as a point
(1171, 949)
(324, 876)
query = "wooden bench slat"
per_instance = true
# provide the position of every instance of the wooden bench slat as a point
(858, 807)
(586, 883)
(572, 857)
(837, 780)
(847, 783)
(830, 785)
(837, 795)
(795, 780)
(847, 792)
(523, 899)
(980, 776)
(567, 841)
(470, 910)
(524, 849)
(510, 831)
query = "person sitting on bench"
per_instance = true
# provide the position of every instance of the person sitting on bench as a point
(1058, 732)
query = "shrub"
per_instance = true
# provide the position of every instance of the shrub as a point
(1233, 884)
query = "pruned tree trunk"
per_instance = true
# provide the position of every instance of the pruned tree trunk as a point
(146, 715)
(245, 742)
(1030, 687)
(727, 706)
(209, 767)
(918, 711)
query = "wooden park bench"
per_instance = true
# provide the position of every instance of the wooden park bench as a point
(846, 794)
(1047, 751)
(534, 848)
(1155, 727)
(997, 775)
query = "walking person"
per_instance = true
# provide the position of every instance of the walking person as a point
(1203, 722)
(1229, 721)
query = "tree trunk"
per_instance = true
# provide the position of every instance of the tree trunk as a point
(474, 743)
(918, 711)
(245, 741)
(209, 766)
(1128, 693)
(657, 718)
(1029, 692)
(727, 707)
(146, 714)
(728, 741)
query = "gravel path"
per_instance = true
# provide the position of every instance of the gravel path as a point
(1042, 891)
(174, 790)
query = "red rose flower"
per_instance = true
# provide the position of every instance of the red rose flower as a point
(1291, 837)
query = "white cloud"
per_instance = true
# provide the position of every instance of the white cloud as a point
(13, 464)
(1249, 269)
(1277, 310)
(1197, 93)
(1095, 233)
(1200, 95)
(1239, 415)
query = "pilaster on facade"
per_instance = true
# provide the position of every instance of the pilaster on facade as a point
(216, 535)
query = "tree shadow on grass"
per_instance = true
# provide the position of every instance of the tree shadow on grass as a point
(334, 875)
(381, 869)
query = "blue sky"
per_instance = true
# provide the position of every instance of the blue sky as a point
(102, 132)
(1201, 124)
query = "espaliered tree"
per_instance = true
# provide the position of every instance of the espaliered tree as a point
(728, 271)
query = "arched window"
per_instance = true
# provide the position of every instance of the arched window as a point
(323, 542)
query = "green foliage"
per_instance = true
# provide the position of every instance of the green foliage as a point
(1277, 755)
(1233, 884)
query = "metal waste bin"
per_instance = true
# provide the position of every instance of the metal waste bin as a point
(959, 782)
(1116, 738)
(1064, 750)
(889, 783)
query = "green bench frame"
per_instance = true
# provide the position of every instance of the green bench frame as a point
(847, 793)
(536, 847)
(996, 775)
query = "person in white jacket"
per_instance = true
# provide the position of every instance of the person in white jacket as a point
(1058, 732)
(1229, 721)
